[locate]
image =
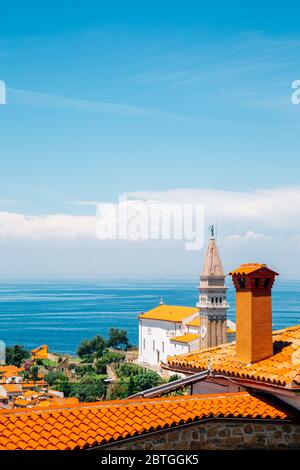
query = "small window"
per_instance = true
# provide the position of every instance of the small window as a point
(267, 282)
(221, 300)
(144, 343)
(256, 282)
(216, 300)
(153, 345)
(242, 282)
(163, 346)
(149, 331)
(212, 300)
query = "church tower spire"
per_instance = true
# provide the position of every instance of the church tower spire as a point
(212, 298)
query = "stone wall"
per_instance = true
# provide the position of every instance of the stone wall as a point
(220, 435)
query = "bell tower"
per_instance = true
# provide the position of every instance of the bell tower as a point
(212, 298)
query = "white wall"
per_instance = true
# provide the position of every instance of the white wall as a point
(161, 333)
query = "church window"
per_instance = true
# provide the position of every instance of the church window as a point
(149, 331)
(256, 282)
(144, 343)
(242, 282)
(221, 300)
(212, 300)
(267, 282)
(153, 345)
(163, 346)
(216, 300)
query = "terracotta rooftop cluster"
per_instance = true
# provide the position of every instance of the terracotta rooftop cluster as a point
(93, 424)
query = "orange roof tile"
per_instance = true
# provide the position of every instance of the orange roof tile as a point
(21, 402)
(32, 393)
(280, 369)
(195, 322)
(172, 313)
(12, 387)
(185, 338)
(10, 371)
(92, 424)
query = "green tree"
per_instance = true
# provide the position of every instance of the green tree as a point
(33, 373)
(88, 349)
(118, 390)
(127, 369)
(55, 377)
(15, 355)
(108, 357)
(88, 392)
(84, 349)
(146, 379)
(118, 339)
(174, 377)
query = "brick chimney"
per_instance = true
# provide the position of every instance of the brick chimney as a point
(253, 283)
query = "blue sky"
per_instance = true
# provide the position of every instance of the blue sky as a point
(111, 97)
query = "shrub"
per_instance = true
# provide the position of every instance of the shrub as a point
(53, 378)
(15, 355)
(108, 358)
(127, 369)
(88, 392)
(118, 390)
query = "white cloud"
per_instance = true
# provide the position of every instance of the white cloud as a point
(260, 225)
(240, 215)
(260, 211)
(59, 226)
(250, 235)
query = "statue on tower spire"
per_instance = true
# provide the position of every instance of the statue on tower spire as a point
(212, 231)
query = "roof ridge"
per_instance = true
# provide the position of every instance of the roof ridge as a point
(118, 403)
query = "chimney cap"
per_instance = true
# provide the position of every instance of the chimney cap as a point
(249, 268)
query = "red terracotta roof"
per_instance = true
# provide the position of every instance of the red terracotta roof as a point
(92, 424)
(281, 369)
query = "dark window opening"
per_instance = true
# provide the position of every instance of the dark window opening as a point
(257, 282)
(242, 282)
(267, 282)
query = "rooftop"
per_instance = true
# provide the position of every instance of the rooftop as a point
(249, 268)
(10, 371)
(280, 369)
(12, 388)
(172, 313)
(185, 338)
(91, 424)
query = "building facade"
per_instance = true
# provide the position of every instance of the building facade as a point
(169, 330)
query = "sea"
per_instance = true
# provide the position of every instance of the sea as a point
(63, 313)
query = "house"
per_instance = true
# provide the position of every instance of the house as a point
(168, 330)
(40, 353)
(10, 391)
(10, 374)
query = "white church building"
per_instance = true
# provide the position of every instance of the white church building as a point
(168, 330)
